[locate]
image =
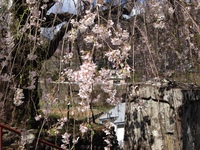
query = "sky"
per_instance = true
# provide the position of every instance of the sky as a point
(63, 6)
(69, 6)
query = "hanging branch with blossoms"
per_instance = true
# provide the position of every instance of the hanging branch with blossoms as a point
(113, 42)
(115, 45)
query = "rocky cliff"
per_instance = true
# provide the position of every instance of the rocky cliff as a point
(162, 115)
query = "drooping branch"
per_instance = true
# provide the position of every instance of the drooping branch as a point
(47, 50)
(55, 19)
(57, 38)
(49, 4)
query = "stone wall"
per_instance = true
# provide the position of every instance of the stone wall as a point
(162, 115)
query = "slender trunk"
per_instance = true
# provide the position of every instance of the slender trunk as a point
(21, 57)
(93, 118)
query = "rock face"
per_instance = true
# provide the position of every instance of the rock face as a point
(162, 115)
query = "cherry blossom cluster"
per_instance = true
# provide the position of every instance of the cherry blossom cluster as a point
(107, 139)
(61, 122)
(32, 79)
(84, 77)
(7, 43)
(114, 42)
(34, 11)
(66, 136)
(26, 138)
(83, 128)
(65, 140)
(18, 97)
(159, 14)
(87, 21)
(33, 22)
(67, 57)
(56, 128)
(48, 101)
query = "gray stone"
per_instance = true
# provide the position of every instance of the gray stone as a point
(163, 115)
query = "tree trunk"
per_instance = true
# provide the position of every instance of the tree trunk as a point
(21, 57)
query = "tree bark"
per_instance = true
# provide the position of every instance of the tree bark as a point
(18, 67)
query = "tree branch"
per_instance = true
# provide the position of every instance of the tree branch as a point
(49, 49)
(55, 19)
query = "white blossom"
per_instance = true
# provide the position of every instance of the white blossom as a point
(83, 128)
(67, 57)
(107, 132)
(89, 39)
(30, 2)
(65, 138)
(113, 55)
(26, 138)
(110, 24)
(32, 56)
(171, 11)
(19, 95)
(159, 25)
(125, 35)
(82, 28)
(38, 117)
(116, 41)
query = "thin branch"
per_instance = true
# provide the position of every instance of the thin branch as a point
(55, 19)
